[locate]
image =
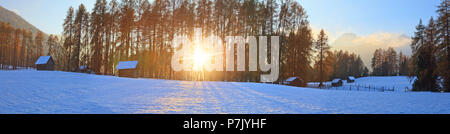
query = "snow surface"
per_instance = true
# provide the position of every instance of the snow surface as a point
(127, 65)
(42, 60)
(29, 91)
(398, 83)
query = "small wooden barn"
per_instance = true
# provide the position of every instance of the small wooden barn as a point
(84, 69)
(350, 79)
(127, 69)
(295, 81)
(336, 82)
(45, 63)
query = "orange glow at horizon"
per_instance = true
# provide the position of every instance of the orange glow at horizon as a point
(200, 58)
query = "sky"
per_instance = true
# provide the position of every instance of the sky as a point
(358, 26)
(46, 15)
(366, 17)
(362, 26)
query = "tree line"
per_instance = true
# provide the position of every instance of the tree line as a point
(431, 52)
(19, 47)
(389, 63)
(140, 30)
(339, 64)
(330, 65)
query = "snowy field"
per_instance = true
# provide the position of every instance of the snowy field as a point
(29, 91)
(373, 83)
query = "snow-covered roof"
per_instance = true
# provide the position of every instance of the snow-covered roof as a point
(335, 80)
(351, 78)
(291, 78)
(42, 60)
(127, 65)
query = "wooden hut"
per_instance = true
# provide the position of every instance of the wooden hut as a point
(127, 69)
(350, 79)
(336, 82)
(295, 81)
(45, 63)
(84, 69)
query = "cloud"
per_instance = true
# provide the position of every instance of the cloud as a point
(332, 33)
(383, 40)
(315, 31)
(366, 45)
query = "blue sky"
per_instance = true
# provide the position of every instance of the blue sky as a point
(361, 26)
(47, 15)
(362, 17)
(369, 16)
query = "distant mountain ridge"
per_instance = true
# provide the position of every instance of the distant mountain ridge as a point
(16, 21)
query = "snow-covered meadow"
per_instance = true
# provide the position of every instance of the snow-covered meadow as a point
(29, 91)
(373, 83)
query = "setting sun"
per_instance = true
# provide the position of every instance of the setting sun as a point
(199, 57)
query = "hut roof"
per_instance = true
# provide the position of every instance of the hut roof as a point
(291, 79)
(335, 80)
(42, 60)
(351, 78)
(127, 65)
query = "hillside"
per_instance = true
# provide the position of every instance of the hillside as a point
(30, 91)
(15, 20)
